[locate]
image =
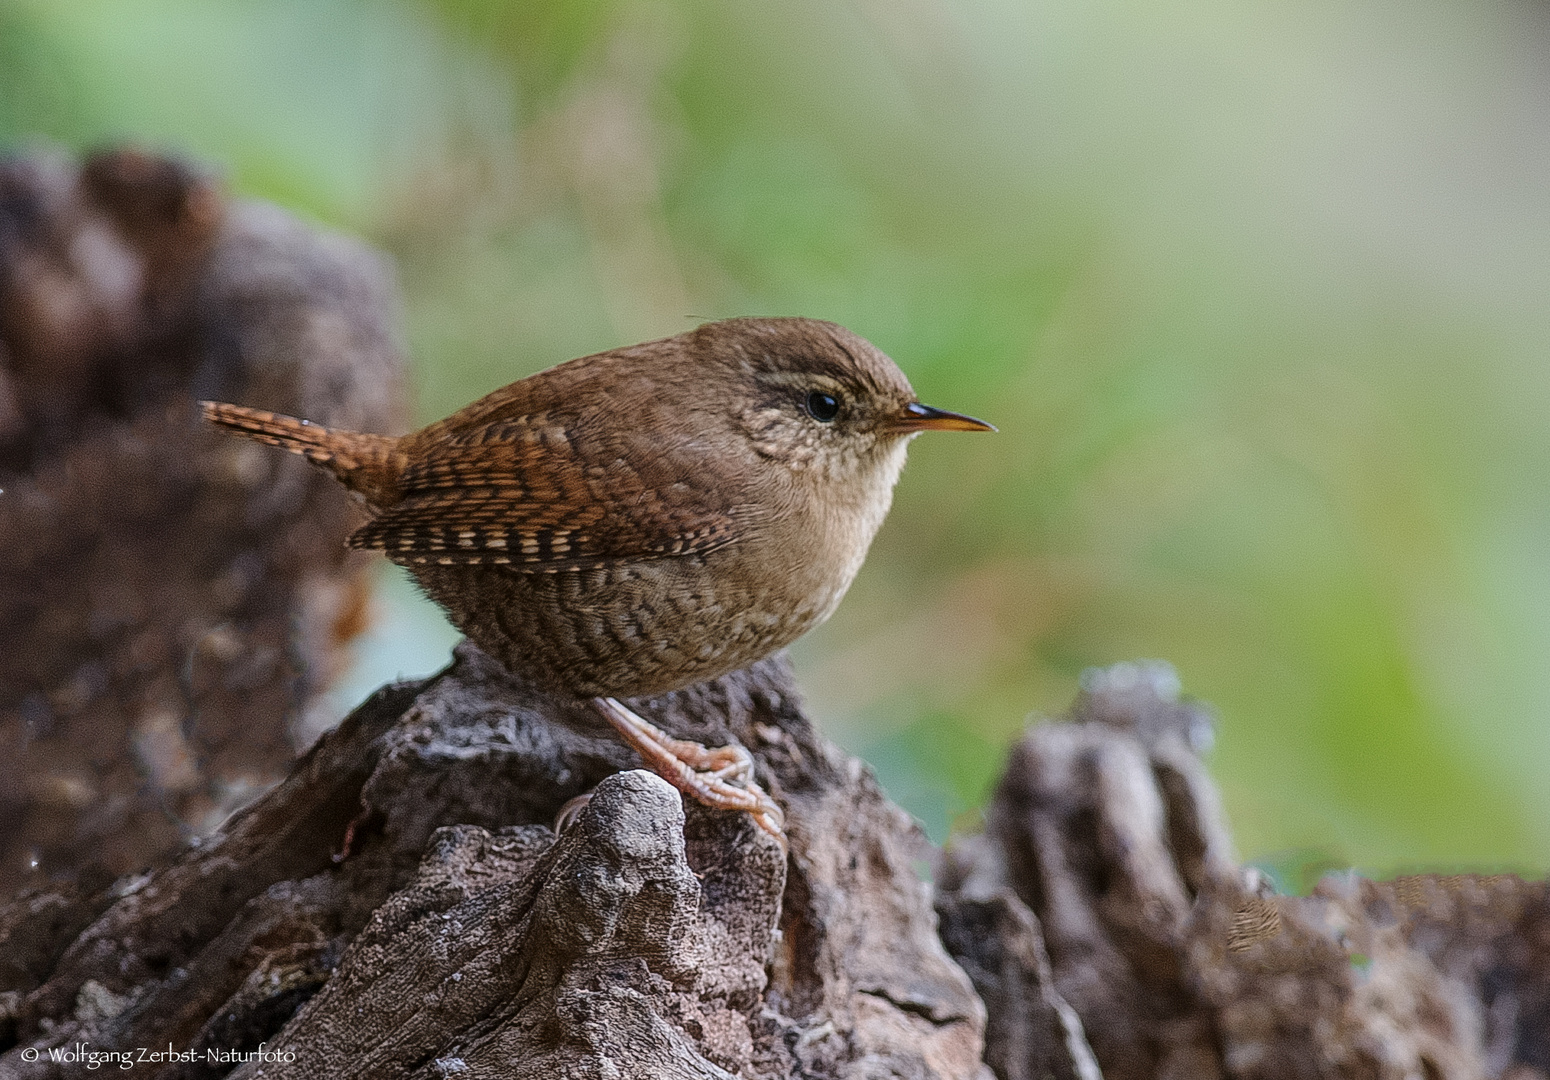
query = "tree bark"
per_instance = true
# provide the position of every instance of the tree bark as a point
(404, 883)
(1110, 932)
(173, 603)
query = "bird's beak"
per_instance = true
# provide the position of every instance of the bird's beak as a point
(918, 417)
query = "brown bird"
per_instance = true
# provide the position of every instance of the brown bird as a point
(643, 519)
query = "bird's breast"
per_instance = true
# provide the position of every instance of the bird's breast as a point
(817, 537)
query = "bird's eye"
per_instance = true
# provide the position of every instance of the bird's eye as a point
(822, 406)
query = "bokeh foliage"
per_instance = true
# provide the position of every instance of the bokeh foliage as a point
(1256, 293)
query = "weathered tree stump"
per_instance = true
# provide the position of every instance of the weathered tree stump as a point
(1110, 933)
(400, 907)
(172, 602)
(457, 934)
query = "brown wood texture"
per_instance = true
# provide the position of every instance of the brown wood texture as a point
(1110, 932)
(173, 603)
(459, 935)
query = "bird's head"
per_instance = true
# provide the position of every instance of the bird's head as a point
(821, 400)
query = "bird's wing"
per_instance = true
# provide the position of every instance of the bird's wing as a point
(519, 496)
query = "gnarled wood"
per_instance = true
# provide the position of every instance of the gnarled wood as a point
(172, 603)
(457, 929)
(1107, 927)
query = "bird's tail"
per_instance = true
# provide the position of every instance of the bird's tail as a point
(366, 464)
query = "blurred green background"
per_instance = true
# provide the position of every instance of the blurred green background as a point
(1256, 292)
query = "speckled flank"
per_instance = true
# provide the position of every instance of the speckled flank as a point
(632, 630)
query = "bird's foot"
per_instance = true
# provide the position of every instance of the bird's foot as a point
(719, 777)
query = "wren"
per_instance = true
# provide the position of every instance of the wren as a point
(639, 520)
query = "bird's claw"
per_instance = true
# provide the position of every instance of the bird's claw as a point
(719, 777)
